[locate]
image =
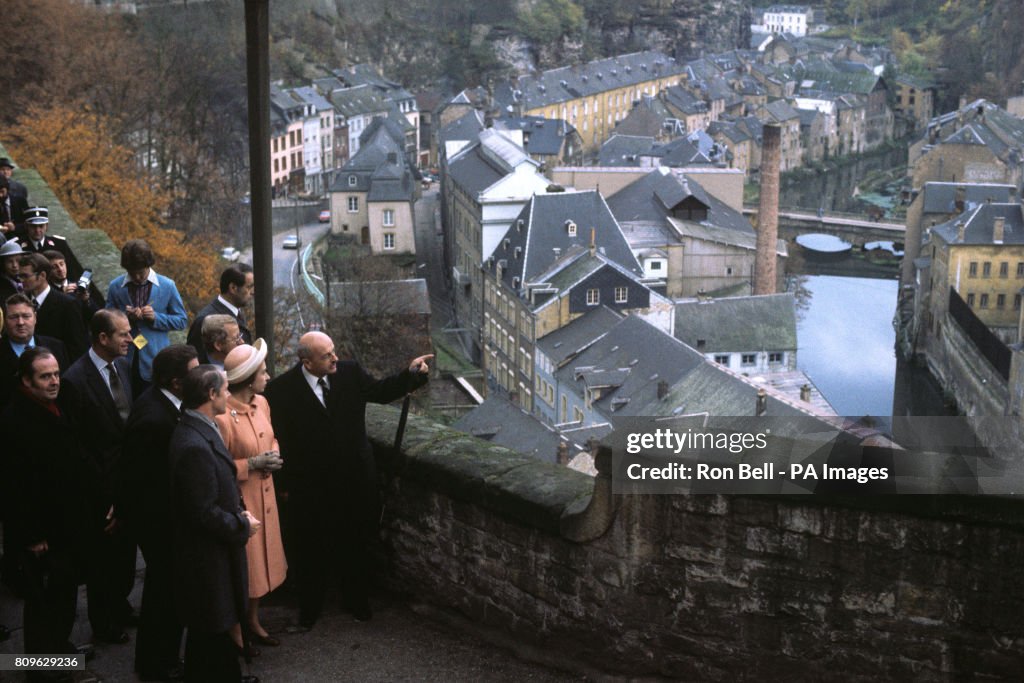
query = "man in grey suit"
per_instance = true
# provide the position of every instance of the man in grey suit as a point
(210, 531)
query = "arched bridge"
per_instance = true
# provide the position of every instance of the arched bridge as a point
(857, 229)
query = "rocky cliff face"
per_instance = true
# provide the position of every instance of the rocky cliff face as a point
(426, 41)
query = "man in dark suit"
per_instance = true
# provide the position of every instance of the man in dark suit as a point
(210, 531)
(145, 507)
(58, 315)
(318, 408)
(98, 389)
(236, 288)
(6, 171)
(19, 334)
(43, 496)
(12, 210)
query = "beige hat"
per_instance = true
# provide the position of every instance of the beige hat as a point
(242, 361)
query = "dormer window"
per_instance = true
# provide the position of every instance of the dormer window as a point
(519, 225)
(351, 181)
(518, 252)
(570, 228)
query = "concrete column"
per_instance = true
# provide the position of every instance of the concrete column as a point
(768, 211)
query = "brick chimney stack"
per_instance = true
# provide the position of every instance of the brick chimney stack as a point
(768, 211)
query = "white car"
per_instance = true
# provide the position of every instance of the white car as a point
(291, 242)
(230, 254)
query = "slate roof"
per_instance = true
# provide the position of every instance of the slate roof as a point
(571, 82)
(379, 166)
(310, 95)
(484, 163)
(780, 111)
(979, 222)
(645, 119)
(544, 229)
(567, 341)
(648, 200)
(941, 197)
(501, 422)
(358, 100)
(735, 238)
(545, 136)
(466, 127)
(835, 82)
(680, 152)
(624, 150)
(750, 323)
(682, 99)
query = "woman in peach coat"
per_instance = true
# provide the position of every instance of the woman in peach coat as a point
(249, 437)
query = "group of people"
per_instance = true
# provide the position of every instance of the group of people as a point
(185, 451)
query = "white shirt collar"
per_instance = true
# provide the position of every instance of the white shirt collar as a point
(227, 304)
(175, 401)
(152, 278)
(101, 365)
(314, 383)
(40, 298)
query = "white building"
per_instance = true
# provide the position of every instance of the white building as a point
(792, 19)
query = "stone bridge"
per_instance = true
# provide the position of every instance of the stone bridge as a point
(856, 229)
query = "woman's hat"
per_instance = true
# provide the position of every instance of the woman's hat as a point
(244, 360)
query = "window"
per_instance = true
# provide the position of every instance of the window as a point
(1016, 302)
(1004, 269)
(722, 360)
(775, 357)
(986, 269)
(983, 302)
(593, 297)
(972, 270)
(1020, 269)
(748, 359)
(353, 204)
(351, 181)
(389, 216)
(655, 265)
(970, 300)
(621, 295)
(1000, 300)
(389, 240)
(577, 414)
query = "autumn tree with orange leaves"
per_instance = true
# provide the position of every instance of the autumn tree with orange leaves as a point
(101, 186)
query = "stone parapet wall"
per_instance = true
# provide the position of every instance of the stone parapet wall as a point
(92, 248)
(707, 587)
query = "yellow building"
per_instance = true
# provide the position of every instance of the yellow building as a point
(593, 97)
(980, 256)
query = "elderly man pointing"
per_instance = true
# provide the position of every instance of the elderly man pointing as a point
(319, 409)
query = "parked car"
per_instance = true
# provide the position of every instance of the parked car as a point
(291, 242)
(325, 216)
(230, 254)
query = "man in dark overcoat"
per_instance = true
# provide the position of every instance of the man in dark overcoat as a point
(236, 288)
(319, 409)
(58, 315)
(98, 388)
(19, 334)
(145, 508)
(210, 531)
(42, 494)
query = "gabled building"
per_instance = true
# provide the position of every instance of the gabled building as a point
(317, 138)
(915, 101)
(373, 195)
(792, 19)
(592, 97)
(824, 80)
(484, 188)
(550, 142)
(562, 257)
(287, 118)
(979, 255)
(687, 240)
(357, 107)
(790, 151)
(392, 92)
(750, 335)
(692, 111)
(979, 142)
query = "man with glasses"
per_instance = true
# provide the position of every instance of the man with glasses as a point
(236, 290)
(58, 315)
(220, 334)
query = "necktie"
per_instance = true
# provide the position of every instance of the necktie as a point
(323, 389)
(117, 391)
